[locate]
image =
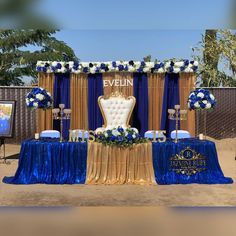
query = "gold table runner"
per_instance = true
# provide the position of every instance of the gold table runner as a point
(114, 165)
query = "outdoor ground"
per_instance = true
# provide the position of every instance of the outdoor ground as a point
(124, 195)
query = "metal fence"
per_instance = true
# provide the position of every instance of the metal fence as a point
(220, 123)
(25, 119)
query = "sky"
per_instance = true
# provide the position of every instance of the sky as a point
(106, 45)
(104, 30)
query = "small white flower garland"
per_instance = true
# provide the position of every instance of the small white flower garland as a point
(114, 66)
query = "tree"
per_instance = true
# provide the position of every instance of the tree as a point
(217, 57)
(16, 61)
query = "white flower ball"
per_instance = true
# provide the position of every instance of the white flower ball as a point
(201, 95)
(208, 105)
(40, 96)
(196, 104)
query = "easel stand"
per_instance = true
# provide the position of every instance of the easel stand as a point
(3, 159)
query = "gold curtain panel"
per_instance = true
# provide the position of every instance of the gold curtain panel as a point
(79, 101)
(46, 81)
(114, 165)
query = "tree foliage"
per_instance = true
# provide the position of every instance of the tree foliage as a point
(16, 61)
(216, 54)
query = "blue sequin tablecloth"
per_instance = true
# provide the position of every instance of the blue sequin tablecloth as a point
(188, 161)
(51, 162)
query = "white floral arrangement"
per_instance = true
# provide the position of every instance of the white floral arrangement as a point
(120, 137)
(39, 98)
(201, 99)
(171, 66)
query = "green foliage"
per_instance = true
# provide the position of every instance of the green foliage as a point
(216, 54)
(16, 61)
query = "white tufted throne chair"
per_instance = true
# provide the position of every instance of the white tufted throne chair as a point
(116, 110)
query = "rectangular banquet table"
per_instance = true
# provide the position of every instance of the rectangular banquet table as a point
(188, 161)
(52, 162)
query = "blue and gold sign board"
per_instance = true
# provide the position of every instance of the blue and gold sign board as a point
(188, 162)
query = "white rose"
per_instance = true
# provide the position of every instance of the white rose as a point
(205, 101)
(40, 96)
(106, 134)
(161, 70)
(71, 64)
(188, 104)
(85, 64)
(201, 95)
(115, 132)
(187, 69)
(176, 70)
(179, 63)
(93, 70)
(196, 104)
(126, 133)
(167, 64)
(134, 136)
(146, 69)
(212, 97)
(195, 63)
(31, 99)
(150, 64)
(39, 63)
(54, 63)
(35, 104)
(63, 69)
(49, 104)
(137, 64)
(208, 105)
(131, 69)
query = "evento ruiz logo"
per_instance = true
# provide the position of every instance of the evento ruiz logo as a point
(188, 162)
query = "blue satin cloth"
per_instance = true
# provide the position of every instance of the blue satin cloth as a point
(51, 162)
(162, 152)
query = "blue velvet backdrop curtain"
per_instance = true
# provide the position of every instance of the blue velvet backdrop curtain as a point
(140, 114)
(95, 89)
(62, 95)
(170, 99)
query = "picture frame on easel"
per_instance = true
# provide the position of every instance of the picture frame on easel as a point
(7, 118)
